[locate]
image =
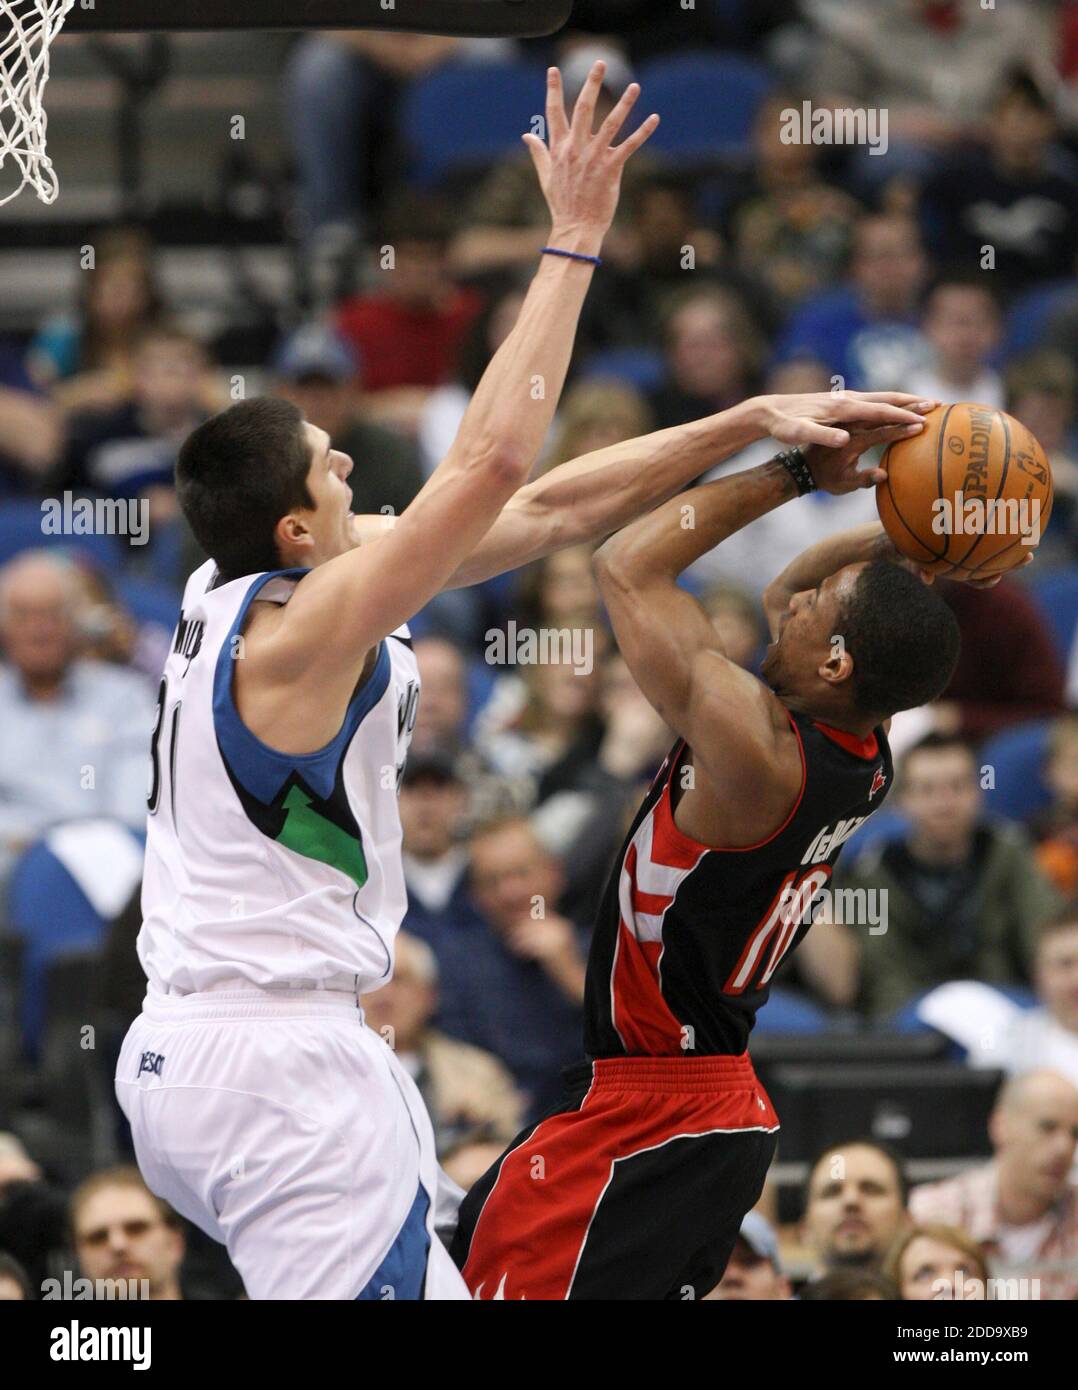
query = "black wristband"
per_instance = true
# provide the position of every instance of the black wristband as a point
(797, 465)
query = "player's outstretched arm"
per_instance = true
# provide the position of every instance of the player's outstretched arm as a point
(587, 498)
(730, 719)
(348, 604)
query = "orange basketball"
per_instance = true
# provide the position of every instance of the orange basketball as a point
(970, 496)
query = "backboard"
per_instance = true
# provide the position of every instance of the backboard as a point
(464, 18)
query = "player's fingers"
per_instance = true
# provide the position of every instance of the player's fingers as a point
(556, 119)
(617, 118)
(872, 439)
(812, 432)
(639, 137)
(586, 102)
(875, 414)
(902, 398)
(539, 153)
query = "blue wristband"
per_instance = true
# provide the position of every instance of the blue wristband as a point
(570, 255)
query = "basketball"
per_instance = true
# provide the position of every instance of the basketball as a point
(970, 496)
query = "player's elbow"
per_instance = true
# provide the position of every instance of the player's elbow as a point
(497, 467)
(608, 563)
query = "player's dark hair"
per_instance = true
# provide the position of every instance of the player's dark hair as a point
(897, 1162)
(903, 638)
(237, 475)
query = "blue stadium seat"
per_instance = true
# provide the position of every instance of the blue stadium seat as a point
(1056, 595)
(481, 681)
(167, 558)
(642, 368)
(20, 529)
(1030, 315)
(708, 102)
(888, 824)
(1017, 757)
(51, 914)
(466, 114)
(786, 1012)
(148, 602)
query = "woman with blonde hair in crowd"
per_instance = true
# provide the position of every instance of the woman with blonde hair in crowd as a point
(935, 1262)
(596, 414)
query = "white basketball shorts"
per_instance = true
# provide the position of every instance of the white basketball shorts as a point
(282, 1126)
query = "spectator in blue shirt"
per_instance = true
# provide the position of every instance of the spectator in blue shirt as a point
(74, 734)
(513, 981)
(30, 427)
(130, 449)
(866, 332)
(433, 802)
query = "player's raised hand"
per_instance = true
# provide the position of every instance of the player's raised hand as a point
(836, 470)
(580, 170)
(828, 417)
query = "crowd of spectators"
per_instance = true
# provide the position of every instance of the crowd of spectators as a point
(944, 266)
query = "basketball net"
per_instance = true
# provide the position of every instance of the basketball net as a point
(27, 28)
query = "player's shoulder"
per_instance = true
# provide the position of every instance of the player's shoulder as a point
(208, 586)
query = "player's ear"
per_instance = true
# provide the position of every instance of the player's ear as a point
(838, 668)
(292, 533)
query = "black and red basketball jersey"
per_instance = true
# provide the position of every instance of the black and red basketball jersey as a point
(688, 938)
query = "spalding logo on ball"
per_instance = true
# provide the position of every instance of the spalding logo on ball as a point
(970, 496)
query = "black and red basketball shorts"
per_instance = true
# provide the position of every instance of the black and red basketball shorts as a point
(634, 1188)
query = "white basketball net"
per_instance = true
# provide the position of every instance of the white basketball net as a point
(27, 28)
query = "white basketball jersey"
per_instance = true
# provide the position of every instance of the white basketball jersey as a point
(271, 867)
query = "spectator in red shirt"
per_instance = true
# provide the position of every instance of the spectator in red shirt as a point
(988, 694)
(408, 330)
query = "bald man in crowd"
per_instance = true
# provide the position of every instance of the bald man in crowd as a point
(1022, 1207)
(466, 1090)
(74, 733)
